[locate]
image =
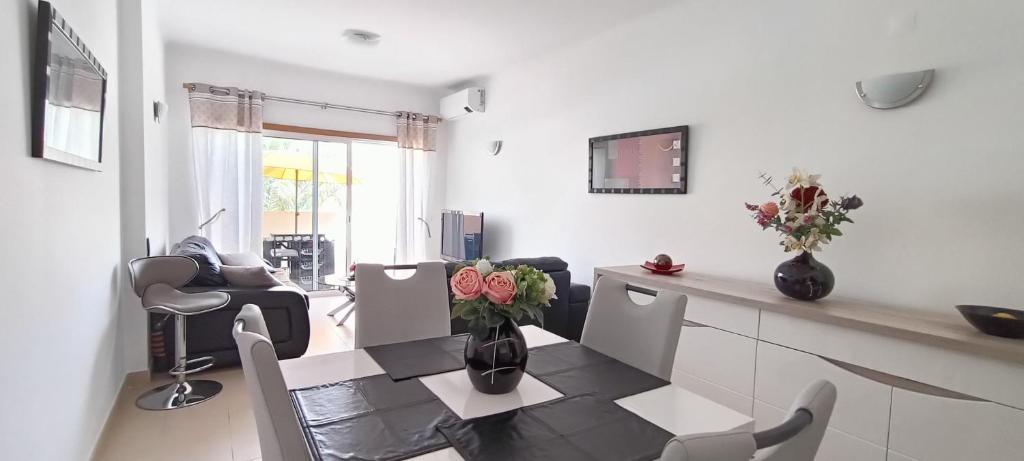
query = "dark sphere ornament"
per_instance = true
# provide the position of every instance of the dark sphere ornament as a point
(663, 261)
(496, 358)
(804, 278)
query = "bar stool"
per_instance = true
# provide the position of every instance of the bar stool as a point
(155, 280)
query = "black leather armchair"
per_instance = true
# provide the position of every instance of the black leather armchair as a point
(567, 313)
(285, 309)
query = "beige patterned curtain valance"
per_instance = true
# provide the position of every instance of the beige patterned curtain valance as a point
(417, 131)
(74, 84)
(226, 108)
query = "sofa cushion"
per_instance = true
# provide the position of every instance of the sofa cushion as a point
(543, 264)
(201, 250)
(249, 276)
(241, 259)
(546, 264)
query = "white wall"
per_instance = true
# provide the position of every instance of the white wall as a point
(189, 64)
(154, 89)
(766, 86)
(61, 274)
(144, 203)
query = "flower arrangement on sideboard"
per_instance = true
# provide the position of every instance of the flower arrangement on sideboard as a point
(805, 218)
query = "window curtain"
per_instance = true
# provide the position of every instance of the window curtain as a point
(417, 143)
(227, 155)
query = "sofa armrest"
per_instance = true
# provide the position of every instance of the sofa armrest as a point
(285, 309)
(579, 305)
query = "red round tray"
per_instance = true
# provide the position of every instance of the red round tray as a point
(650, 266)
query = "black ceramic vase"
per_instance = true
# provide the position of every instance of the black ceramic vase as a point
(804, 278)
(496, 362)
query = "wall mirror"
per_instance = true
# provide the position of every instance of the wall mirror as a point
(641, 162)
(68, 95)
(895, 90)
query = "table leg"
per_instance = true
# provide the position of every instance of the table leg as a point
(351, 309)
(340, 308)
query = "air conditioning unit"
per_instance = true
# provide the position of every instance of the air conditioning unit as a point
(464, 102)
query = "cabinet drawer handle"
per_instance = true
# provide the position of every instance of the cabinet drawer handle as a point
(900, 383)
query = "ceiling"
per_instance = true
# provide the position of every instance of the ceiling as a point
(434, 44)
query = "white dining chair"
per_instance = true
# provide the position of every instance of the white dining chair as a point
(391, 311)
(643, 336)
(796, 439)
(277, 425)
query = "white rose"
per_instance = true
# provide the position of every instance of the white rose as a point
(484, 267)
(549, 287)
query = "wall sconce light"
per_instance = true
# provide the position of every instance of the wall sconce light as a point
(895, 90)
(495, 147)
(159, 110)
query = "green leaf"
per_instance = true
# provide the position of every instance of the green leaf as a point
(471, 312)
(458, 309)
(493, 319)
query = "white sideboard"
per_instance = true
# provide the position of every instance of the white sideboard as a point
(912, 386)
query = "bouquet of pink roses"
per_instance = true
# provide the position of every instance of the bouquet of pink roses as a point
(486, 296)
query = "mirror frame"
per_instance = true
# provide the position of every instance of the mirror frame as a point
(684, 153)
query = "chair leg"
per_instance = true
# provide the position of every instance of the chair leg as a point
(182, 392)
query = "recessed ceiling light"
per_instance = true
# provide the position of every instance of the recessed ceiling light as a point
(362, 37)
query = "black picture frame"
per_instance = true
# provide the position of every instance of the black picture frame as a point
(684, 151)
(52, 26)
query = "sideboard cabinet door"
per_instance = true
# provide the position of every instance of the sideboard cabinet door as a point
(954, 428)
(835, 446)
(717, 356)
(862, 404)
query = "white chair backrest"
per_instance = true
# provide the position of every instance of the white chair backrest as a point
(392, 311)
(175, 271)
(643, 336)
(278, 427)
(819, 398)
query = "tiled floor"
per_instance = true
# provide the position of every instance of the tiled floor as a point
(222, 429)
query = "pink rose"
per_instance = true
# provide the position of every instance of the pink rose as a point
(769, 209)
(500, 287)
(467, 284)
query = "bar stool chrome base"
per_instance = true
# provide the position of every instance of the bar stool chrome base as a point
(179, 395)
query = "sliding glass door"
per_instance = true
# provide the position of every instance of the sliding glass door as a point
(328, 202)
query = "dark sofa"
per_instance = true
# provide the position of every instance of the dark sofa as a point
(285, 309)
(566, 315)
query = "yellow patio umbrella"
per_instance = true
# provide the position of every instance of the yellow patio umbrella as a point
(297, 167)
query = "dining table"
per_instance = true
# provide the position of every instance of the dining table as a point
(674, 409)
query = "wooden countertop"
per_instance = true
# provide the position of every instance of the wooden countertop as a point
(950, 331)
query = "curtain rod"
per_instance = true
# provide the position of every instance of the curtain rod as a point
(323, 105)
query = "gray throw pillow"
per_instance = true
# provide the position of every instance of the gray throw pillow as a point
(249, 276)
(240, 259)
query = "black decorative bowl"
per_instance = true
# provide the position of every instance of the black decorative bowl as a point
(996, 321)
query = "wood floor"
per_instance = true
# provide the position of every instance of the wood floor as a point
(222, 429)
